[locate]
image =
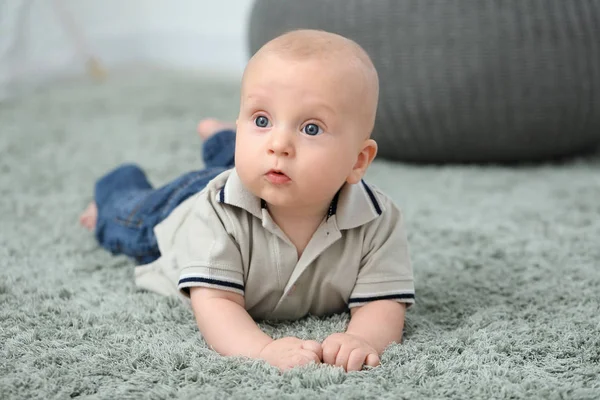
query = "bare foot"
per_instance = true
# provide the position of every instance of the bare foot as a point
(209, 126)
(89, 216)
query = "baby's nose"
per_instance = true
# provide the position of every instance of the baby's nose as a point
(281, 143)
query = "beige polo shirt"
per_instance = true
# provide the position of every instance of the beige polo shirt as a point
(224, 238)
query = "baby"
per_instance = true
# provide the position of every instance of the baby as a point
(292, 229)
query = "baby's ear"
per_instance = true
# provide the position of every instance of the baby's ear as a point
(364, 159)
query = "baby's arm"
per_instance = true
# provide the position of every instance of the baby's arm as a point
(372, 328)
(383, 288)
(228, 328)
(378, 323)
(225, 324)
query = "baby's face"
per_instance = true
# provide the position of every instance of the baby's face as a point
(298, 132)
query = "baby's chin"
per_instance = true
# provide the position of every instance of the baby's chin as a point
(275, 196)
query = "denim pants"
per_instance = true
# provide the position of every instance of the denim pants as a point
(129, 207)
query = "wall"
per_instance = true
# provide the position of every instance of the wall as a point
(195, 34)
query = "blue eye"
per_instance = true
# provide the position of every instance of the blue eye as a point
(312, 129)
(261, 121)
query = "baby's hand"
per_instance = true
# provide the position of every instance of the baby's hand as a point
(349, 352)
(290, 352)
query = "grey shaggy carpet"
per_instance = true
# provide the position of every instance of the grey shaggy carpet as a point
(506, 260)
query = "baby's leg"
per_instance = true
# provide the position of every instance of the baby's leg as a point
(129, 208)
(117, 217)
(209, 126)
(219, 143)
(89, 216)
(119, 180)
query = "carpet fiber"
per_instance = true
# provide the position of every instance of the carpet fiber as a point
(506, 260)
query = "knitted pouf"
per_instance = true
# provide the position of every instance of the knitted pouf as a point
(467, 80)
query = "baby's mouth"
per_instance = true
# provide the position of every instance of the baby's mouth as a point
(277, 177)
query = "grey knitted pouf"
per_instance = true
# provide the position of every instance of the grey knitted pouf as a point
(467, 80)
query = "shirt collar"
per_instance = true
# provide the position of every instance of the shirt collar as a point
(352, 206)
(357, 205)
(235, 193)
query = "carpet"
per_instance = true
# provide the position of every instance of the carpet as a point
(506, 261)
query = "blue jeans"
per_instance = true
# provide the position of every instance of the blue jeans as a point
(129, 207)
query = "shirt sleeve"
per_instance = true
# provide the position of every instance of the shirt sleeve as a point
(205, 250)
(385, 271)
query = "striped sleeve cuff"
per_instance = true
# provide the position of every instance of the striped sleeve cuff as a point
(400, 291)
(357, 301)
(212, 278)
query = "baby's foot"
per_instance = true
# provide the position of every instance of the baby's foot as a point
(89, 216)
(209, 126)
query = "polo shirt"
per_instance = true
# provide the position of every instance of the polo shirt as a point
(224, 238)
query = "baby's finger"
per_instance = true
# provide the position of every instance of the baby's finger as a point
(373, 360)
(310, 356)
(313, 346)
(342, 356)
(330, 351)
(356, 360)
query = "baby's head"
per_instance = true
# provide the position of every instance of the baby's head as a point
(308, 105)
